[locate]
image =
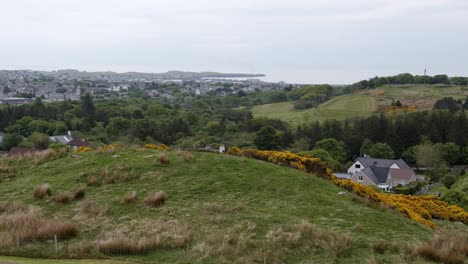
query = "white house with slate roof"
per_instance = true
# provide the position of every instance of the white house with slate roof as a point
(62, 139)
(384, 173)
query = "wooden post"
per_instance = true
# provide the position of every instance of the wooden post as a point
(17, 238)
(56, 244)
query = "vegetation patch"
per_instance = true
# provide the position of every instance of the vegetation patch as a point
(25, 223)
(155, 199)
(42, 191)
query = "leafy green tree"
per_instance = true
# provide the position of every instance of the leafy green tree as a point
(337, 149)
(39, 140)
(440, 79)
(429, 157)
(381, 151)
(366, 147)
(449, 180)
(10, 141)
(88, 111)
(410, 155)
(450, 152)
(118, 126)
(267, 138)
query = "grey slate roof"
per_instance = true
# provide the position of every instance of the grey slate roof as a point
(368, 161)
(63, 139)
(376, 174)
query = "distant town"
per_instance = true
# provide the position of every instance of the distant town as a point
(23, 86)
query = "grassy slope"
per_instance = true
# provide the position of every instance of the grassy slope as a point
(422, 97)
(268, 195)
(363, 103)
(338, 108)
(18, 260)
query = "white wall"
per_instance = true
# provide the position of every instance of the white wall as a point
(353, 170)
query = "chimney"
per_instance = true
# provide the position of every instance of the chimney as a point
(69, 133)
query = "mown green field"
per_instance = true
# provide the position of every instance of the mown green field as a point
(339, 108)
(230, 208)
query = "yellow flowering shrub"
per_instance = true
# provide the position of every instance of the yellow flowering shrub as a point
(421, 209)
(156, 147)
(111, 147)
(84, 149)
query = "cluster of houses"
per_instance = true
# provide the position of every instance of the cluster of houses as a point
(386, 174)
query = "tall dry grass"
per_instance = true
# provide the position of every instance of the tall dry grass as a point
(124, 245)
(155, 199)
(130, 198)
(42, 191)
(92, 208)
(163, 158)
(304, 236)
(143, 236)
(62, 198)
(41, 157)
(29, 224)
(448, 247)
(117, 173)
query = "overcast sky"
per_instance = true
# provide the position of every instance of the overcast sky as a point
(308, 41)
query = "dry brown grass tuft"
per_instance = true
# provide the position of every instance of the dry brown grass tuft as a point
(82, 249)
(93, 181)
(446, 247)
(91, 208)
(79, 194)
(42, 191)
(163, 158)
(40, 157)
(7, 170)
(357, 228)
(304, 236)
(228, 246)
(30, 225)
(188, 156)
(379, 247)
(130, 198)
(155, 199)
(125, 245)
(143, 236)
(62, 198)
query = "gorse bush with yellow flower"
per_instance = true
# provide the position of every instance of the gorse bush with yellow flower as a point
(110, 148)
(84, 149)
(421, 209)
(156, 147)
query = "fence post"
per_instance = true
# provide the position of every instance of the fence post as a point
(97, 243)
(17, 239)
(56, 244)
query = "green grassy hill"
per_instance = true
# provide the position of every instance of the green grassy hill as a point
(219, 208)
(361, 104)
(340, 108)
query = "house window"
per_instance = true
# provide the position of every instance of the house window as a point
(360, 178)
(358, 166)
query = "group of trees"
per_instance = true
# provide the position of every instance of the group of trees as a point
(407, 78)
(392, 135)
(213, 120)
(451, 104)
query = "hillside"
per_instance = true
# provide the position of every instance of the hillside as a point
(219, 208)
(362, 103)
(339, 108)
